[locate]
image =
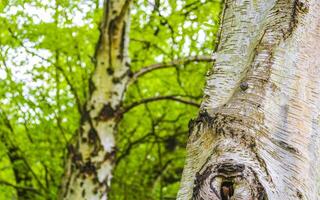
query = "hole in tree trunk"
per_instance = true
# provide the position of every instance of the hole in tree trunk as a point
(226, 190)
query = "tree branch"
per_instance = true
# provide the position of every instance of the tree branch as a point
(174, 63)
(7, 142)
(159, 98)
(6, 183)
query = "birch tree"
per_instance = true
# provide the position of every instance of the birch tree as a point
(257, 132)
(91, 158)
(46, 59)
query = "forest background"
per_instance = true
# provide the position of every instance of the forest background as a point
(46, 59)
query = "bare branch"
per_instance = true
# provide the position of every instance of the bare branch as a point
(9, 144)
(174, 63)
(6, 183)
(159, 98)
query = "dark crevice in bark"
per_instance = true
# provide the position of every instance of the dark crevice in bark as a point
(225, 180)
(226, 190)
(123, 41)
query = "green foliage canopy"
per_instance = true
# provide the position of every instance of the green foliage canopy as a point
(46, 59)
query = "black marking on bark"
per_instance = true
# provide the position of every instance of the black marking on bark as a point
(115, 93)
(110, 155)
(85, 116)
(102, 27)
(203, 119)
(92, 86)
(71, 148)
(98, 44)
(88, 168)
(123, 41)
(106, 113)
(77, 158)
(111, 30)
(83, 194)
(110, 70)
(191, 125)
(95, 180)
(116, 80)
(93, 136)
(228, 168)
(129, 73)
(84, 140)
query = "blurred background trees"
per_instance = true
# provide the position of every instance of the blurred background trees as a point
(46, 59)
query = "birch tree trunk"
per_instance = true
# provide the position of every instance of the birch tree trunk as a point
(89, 166)
(257, 133)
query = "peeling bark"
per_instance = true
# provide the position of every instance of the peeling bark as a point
(91, 156)
(257, 133)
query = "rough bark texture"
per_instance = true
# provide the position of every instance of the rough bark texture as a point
(257, 134)
(91, 158)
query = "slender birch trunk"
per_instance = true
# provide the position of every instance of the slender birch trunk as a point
(257, 133)
(89, 166)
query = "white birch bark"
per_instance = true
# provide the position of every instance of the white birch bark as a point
(257, 133)
(90, 163)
